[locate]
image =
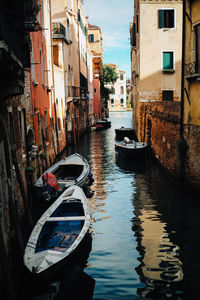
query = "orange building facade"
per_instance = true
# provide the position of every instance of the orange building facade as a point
(95, 44)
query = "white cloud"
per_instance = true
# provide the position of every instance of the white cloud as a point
(113, 17)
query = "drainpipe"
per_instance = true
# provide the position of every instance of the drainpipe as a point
(182, 72)
(182, 143)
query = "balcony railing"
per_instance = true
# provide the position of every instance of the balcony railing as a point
(192, 69)
(58, 28)
(76, 92)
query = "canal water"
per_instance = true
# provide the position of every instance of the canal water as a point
(145, 231)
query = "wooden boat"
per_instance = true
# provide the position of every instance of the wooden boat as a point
(98, 127)
(130, 149)
(73, 170)
(104, 122)
(58, 233)
(122, 132)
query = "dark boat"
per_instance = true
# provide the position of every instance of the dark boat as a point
(98, 127)
(129, 149)
(105, 123)
(122, 132)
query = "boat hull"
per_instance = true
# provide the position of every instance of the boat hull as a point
(73, 170)
(106, 124)
(122, 132)
(58, 234)
(131, 152)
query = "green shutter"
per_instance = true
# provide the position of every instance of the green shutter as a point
(167, 60)
(160, 18)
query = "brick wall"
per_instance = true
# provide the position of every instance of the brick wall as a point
(159, 126)
(192, 136)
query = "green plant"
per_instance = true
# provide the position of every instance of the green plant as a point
(168, 70)
(43, 155)
(109, 74)
(30, 169)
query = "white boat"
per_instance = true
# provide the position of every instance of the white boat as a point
(130, 149)
(72, 170)
(58, 233)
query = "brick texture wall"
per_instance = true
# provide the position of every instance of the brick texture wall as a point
(159, 125)
(192, 136)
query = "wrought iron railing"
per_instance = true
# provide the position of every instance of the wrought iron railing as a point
(192, 68)
(58, 28)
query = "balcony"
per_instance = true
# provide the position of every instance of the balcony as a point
(59, 32)
(192, 70)
(76, 92)
(11, 74)
(58, 29)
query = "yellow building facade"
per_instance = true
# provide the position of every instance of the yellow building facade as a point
(192, 64)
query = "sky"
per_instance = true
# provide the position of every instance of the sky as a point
(113, 17)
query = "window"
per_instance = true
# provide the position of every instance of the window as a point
(168, 61)
(166, 18)
(121, 77)
(95, 90)
(121, 90)
(121, 100)
(167, 95)
(46, 125)
(137, 23)
(91, 38)
(112, 90)
(56, 55)
(41, 65)
(112, 101)
(70, 4)
(197, 48)
(68, 35)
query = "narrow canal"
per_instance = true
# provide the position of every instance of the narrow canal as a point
(145, 230)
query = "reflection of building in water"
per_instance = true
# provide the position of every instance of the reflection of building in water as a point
(97, 164)
(160, 264)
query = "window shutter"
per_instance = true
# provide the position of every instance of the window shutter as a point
(172, 19)
(160, 18)
(167, 60)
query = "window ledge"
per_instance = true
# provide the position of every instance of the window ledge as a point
(168, 71)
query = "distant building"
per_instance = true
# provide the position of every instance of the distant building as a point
(117, 99)
(128, 95)
(95, 44)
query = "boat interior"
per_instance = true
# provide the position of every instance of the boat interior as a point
(62, 227)
(70, 172)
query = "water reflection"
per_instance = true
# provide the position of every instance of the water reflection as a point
(162, 226)
(146, 230)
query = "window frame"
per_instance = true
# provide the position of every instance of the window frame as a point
(165, 9)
